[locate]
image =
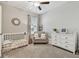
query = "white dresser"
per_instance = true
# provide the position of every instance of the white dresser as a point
(66, 41)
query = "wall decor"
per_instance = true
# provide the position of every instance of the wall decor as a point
(40, 27)
(15, 21)
(63, 30)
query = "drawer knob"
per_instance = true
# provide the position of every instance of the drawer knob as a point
(55, 39)
(66, 42)
(66, 46)
(66, 37)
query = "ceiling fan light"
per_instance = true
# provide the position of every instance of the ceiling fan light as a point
(36, 4)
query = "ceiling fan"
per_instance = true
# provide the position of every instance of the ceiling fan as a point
(38, 3)
(45, 2)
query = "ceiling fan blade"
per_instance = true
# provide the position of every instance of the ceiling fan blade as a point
(44, 2)
(39, 8)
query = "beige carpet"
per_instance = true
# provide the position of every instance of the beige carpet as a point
(39, 51)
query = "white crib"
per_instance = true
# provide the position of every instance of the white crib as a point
(14, 40)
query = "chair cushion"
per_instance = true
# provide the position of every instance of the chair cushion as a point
(43, 36)
(36, 35)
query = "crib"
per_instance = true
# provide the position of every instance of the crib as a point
(14, 40)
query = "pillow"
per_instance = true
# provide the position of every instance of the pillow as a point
(36, 35)
(43, 36)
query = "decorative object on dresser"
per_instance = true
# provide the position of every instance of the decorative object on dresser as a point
(67, 41)
(55, 30)
(40, 37)
(61, 30)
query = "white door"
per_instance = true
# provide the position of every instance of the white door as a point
(0, 28)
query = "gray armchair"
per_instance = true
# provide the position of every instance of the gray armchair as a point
(40, 37)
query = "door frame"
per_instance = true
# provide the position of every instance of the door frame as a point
(29, 27)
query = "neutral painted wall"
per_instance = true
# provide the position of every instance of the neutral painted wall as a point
(65, 16)
(11, 12)
(0, 29)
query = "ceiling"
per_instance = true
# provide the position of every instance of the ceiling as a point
(28, 5)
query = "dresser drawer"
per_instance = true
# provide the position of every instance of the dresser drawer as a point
(69, 42)
(56, 43)
(70, 47)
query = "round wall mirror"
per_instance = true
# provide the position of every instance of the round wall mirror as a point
(15, 21)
